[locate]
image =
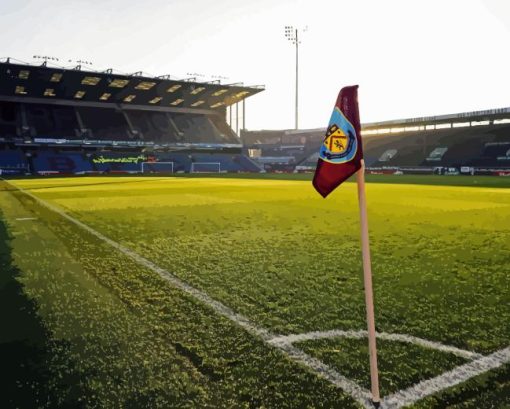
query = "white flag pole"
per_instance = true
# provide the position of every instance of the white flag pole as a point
(367, 277)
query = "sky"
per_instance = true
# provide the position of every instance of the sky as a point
(410, 58)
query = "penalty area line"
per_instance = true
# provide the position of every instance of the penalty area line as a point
(409, 339)
(448, 379)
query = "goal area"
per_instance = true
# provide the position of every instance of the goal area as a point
(157, 167)
(205, 167)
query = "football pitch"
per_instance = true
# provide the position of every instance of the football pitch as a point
(233, 292)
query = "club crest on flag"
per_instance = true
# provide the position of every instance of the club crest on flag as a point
(340, 144)
(336, 141)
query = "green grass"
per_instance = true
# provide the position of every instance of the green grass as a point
(276, 252)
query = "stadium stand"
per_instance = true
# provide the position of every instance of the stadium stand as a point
(496, 151)
(446, 147)
(51, 121)
(226, 132)
(281, 151)
(104, 123)
(58, 120)
(477, 140)
(13, 161)
(196, 128)
(154, 126)
(10, 122)
(453, 142)
(51, 161)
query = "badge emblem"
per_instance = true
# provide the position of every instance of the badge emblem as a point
(336, 140)
(340, 144)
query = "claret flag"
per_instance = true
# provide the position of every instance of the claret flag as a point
(340, 157)
(341, 152)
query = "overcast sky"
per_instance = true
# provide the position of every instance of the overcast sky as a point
(410, 58)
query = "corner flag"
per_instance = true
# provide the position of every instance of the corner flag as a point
(340, 156)
(341, 152)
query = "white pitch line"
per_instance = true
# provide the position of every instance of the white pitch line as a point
(430, 344)
(361, 395)
(310, 336)
(176, 282)
(22, 219)
(447, 380)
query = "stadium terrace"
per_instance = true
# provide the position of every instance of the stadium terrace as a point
(57, 120)
(464, 143)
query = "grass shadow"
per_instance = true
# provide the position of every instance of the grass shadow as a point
(25, 346)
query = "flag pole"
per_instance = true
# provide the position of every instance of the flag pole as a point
(367, 278)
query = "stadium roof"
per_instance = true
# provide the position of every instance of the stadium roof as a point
(47, 83)
(487, 115)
